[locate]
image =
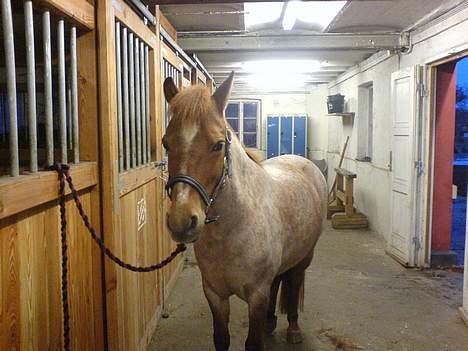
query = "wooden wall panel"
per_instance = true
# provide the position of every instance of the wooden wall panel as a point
(30, 292)
(138, 293)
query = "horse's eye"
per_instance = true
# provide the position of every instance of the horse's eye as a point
(218, 146)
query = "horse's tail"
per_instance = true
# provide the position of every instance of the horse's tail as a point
(292, 287)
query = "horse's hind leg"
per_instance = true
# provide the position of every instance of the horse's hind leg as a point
(271, 321)
(292, 298)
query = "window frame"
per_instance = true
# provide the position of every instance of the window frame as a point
(240, 118)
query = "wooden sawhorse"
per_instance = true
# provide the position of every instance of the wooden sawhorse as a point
(343, 194)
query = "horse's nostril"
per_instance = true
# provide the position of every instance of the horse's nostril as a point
(193, 222)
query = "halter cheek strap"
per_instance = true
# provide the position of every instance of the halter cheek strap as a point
(201, 190)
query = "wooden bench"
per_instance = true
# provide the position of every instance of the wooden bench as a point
(342, 213)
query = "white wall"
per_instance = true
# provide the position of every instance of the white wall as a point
(313, 104)
(372, 187)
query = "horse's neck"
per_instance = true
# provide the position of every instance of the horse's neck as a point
(237, 193)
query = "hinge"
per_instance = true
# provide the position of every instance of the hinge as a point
(416, 242)
(419, 166)
(422, 89)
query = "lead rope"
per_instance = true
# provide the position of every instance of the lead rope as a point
(64, 176)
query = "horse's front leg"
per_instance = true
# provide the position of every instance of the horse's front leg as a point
(220, 310)
(258, 307)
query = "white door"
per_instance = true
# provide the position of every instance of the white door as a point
(404, 100)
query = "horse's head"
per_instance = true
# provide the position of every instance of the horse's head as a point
(195, 141)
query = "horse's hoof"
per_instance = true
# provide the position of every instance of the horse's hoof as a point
(270, 325)
(294, 337)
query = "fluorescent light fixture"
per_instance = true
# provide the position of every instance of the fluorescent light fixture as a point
(261, 12)
(316, 12)
(276, 82)
(279, 75)
(275, 66)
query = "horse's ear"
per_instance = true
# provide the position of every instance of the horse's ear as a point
(170, 89)
(221, 95)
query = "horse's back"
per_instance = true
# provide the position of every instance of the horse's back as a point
(293, 170)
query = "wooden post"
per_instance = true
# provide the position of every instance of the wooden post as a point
(109, 159)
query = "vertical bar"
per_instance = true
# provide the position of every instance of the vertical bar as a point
(9, 45)
(143, 102)
(147, 102)
(119, 94)
(74, 95)
(2, 117)
(125, 98)
(69, 114)
(62, 90)
(137, 100)
(48, 87)
(131, 84)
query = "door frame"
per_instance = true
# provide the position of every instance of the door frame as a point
(429, 149)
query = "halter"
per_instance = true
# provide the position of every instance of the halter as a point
(207, 199)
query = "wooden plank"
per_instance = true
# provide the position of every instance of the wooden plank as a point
(171, 57)
(87, 96)
(345, 172)
(80, 12)
(27, 191)
(10, 321)
(89, 151)
(135, 178)
(125, 14)
(109, 159)
(167, 26)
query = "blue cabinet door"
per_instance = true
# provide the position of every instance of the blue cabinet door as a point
(300, 136)
(272, 136)
(286, 136)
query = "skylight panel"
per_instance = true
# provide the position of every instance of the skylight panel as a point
(261, 12)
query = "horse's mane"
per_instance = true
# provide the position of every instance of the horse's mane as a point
(195, 102)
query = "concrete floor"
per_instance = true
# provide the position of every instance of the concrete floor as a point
(357, 298)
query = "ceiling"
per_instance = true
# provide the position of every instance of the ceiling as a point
(216, 33)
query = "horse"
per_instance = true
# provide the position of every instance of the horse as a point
(254, 225)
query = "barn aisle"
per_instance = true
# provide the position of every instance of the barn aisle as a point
(357, 298)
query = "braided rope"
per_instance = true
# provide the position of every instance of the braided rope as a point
(64, 177)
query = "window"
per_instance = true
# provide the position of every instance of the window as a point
(365, 122)
(243, 117)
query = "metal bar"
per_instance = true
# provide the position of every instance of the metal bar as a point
(137, 101)
(3, 117)
(147, 101)
(48, 88)
(125, 98)
(62, 90)
(119, 93)
(176, 47)
(141, 8)
(143, 76)
(74, 95)
(322, 41)
(131, 83)
(9, 46)
(69, 114)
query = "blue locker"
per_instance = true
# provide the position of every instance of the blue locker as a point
(272, 136)
(286, 136)
(300, 136)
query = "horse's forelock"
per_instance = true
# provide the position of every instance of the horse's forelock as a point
(191, 104)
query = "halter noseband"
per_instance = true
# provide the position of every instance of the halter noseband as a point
(207, 199)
